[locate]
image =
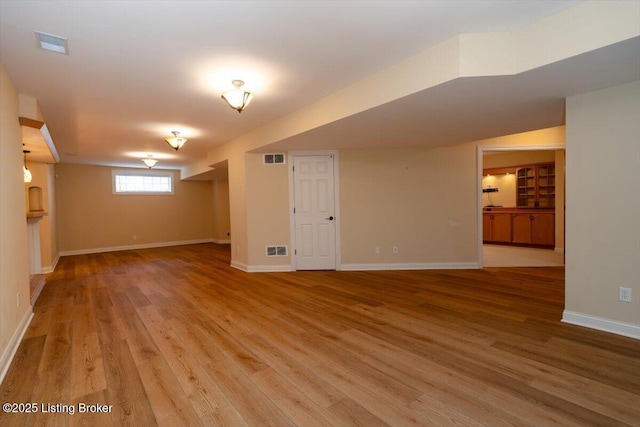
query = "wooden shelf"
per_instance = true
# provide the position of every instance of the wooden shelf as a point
(535, 186)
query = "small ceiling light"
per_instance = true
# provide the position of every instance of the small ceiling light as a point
(26, 172)
(237, 98)
(150, 161)
(52, 43)
(176, 142)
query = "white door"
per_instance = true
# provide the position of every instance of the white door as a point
(314, 212)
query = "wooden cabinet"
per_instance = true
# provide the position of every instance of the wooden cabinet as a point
(519, 227)
(535, 186)
(534, 228)
(496, 227)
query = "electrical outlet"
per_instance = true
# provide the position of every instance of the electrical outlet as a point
(377, 249)
(625, 294)
(134, 237)
(18, 300)
(395, 250)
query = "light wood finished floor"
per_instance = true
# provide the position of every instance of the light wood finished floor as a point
(176, 337)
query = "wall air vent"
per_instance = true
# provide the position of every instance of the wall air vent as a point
(273, 159)
(52, 43)
(276, 251)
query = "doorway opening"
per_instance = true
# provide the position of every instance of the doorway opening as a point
(521, 208)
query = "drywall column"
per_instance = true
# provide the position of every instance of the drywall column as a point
(15, 311)
(238, 211)
(603, 209)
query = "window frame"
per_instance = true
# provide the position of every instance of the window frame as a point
(143, 173)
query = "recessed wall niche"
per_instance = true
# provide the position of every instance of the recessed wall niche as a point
(35, 199)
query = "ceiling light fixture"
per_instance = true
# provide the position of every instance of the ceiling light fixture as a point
(237, 98)
(26, 172)
(176, 142)
(149, 161)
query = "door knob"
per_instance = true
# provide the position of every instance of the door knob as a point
(330, 218)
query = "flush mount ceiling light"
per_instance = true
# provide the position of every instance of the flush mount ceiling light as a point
(237, 98)
(52, 43)
(26, 172)
(176, 142)
(150, 161)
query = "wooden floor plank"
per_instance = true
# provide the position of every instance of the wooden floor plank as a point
(125, 390)
(287, 398)
(175, 336)
(168, 401)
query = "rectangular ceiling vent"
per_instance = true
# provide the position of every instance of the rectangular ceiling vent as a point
(276, 251)
(273, 159)
(52, 43)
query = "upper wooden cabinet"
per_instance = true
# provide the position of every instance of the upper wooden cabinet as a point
(536, 186)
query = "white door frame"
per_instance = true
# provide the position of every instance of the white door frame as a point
(336, 195)
(481, 149)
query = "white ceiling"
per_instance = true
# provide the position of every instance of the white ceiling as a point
(139, 69)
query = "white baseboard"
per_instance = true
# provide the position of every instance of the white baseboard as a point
(131, 247)
(559, 250)
(221, 242)
(240, 266)
(412, 266)
(362, 267)
(269, 268)
(260, 268)
(602, 324)
(14, 343)
(52, 267)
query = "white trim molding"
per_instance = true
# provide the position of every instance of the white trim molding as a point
(411, 266)
(51, 268)
(221, 241)
(132, 247)
(240, 266)
(261, 268)
(630, 330)
(269, 268)
(14, 343)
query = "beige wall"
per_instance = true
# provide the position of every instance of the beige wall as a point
(419, 200)
(90, 217)
(14, 261)
(506, 195)
(561, 177)
(238, 210)
(603, 203)
(424, 201)
(267, 209)
(516, 158)
(44, 177)
(221, 217)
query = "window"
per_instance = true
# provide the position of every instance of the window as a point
(142, 182)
